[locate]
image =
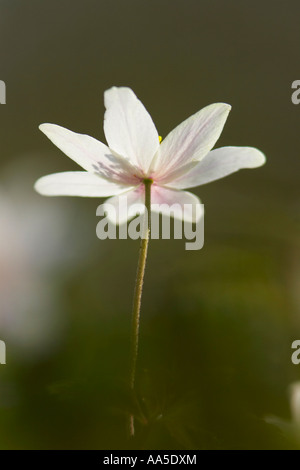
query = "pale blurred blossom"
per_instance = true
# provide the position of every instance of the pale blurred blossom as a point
(294, 391)
(40, 246)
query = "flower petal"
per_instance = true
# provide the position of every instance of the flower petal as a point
(176, 173)
(90, 154)
(181, 205)
(129, 128)
(77, 183)
(217, 164)
(192, 139)
(120, 208)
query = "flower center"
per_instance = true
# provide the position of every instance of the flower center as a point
(147, 181)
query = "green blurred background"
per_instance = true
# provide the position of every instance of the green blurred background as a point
(214, 364)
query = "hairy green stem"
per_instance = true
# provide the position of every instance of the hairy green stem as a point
(137, 296)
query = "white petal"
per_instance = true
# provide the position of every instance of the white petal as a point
(181, 205)
(217, 164)
(119, 208)
(193, 138)
(77, 183)
(129, 128)
(89, 153)
(176, 173)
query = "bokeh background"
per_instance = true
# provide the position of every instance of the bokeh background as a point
(214, 368)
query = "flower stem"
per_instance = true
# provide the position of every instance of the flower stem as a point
(137, 296)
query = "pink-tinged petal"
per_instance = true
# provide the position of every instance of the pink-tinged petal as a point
(77, 183)
(90, 154)
(129, 128)
(176, 173)
(192, 139)
(217, 164)
(181, 205)
(120, 208)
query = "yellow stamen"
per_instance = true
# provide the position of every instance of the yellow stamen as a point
(160, 138)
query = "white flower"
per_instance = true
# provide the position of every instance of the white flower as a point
(184, 159)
